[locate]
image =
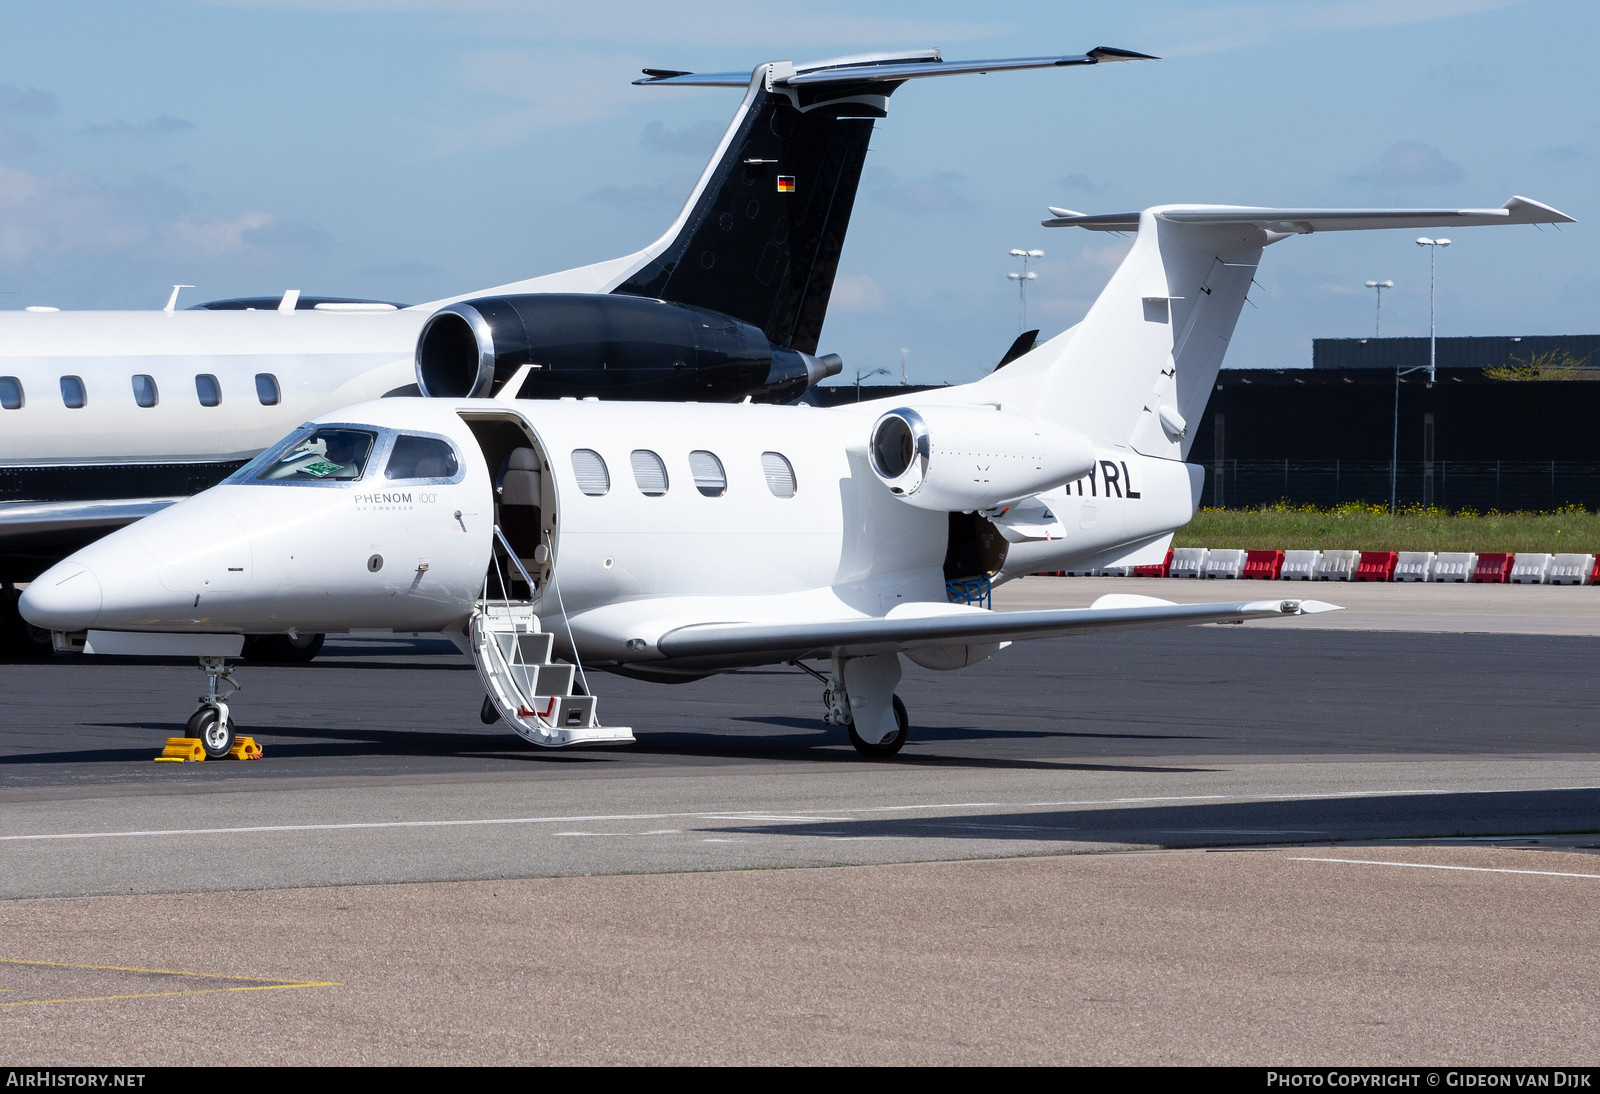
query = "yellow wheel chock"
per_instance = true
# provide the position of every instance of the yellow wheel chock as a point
(180, 749)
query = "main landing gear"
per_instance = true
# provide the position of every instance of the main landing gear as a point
(212, 723)
(889, 745)
(862, 689)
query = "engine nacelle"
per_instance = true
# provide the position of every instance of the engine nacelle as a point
(614, 347)
(959, 458)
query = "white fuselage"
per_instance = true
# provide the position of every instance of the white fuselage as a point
(316, 361)
(623, 566)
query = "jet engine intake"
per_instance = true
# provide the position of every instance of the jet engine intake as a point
(611, 346)
(960, 459)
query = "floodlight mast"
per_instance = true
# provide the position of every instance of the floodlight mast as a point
(1377, 325)
(1433, 246)
(1022, 280)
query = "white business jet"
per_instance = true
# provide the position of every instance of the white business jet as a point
(674, 541)
(106, 417)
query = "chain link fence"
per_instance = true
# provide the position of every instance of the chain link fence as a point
(1506, 485)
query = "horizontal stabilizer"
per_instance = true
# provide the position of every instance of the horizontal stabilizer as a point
(955, 624)
(882, 68)
(1518, 210)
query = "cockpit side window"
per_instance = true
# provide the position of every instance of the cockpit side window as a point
(421, 458)
(331, 453)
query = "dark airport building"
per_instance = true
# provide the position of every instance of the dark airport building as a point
(1509, 423)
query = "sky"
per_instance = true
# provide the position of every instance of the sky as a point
(410, 150)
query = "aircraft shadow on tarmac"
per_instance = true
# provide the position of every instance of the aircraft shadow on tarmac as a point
(806, 742)
(1317, 820)
(925, 734)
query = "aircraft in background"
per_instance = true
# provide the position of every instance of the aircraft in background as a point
(672, 545)
(106, 417)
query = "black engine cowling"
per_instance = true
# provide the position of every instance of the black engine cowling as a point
(614, 347)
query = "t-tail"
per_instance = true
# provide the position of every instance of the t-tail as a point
(1137, 371)
(760, 235)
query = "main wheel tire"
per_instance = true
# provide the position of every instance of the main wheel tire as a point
(281, 649)
(896, 741)
(216, 736)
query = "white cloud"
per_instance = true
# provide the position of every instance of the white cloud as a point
(692, 140)
(944, 192)
(1411, 163)
(27, 100)
(200, 236)
(857, 293)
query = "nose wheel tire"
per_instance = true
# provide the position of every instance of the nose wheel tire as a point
(896, 741)
(215, 733)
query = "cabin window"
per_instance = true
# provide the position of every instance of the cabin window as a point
(144, 390)
(326, 454)
(10, 393)
(421, 458)
(709, 478)
(649, 472)
(780, 474)
(267, 389)
(590, 470)
(73, 395)
(206, 386)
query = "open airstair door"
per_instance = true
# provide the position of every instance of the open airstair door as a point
(532, 692)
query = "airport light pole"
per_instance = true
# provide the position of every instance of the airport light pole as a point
(1022, 280)
(862, 374)
(1433, 246)
(1377, 323)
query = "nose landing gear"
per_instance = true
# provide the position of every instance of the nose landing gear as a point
(212, 723)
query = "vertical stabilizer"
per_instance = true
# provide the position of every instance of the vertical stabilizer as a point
(761, 235)
(1139, 368)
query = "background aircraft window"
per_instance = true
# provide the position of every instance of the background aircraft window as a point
(327, 454)
(780, 474)
(72, 393)
(708, 475)
(10, 393)
(144, 390)
(649, 472)
(267, 388)
(210, 392)
(591, 472)
(421, 458)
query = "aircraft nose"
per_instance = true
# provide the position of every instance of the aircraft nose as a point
(65, 597)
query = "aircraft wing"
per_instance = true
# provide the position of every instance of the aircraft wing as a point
(1518, 210)
(953, 624)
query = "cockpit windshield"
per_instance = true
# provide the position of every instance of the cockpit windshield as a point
(329, 453)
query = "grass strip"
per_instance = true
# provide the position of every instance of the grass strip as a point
(1363, 527)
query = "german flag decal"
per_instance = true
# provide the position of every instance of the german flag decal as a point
(785, 184)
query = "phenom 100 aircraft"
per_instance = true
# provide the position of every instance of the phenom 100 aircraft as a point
(671, 541)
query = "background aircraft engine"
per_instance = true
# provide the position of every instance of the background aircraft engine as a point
(614, 347)
(958, 458)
